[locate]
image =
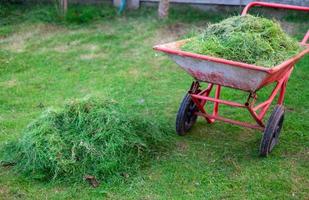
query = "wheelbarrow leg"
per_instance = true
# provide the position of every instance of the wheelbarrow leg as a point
(216, 104)
(282, 92)
(201, 103)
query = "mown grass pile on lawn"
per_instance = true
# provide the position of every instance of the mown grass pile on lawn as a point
(249, 39)
(88, 137)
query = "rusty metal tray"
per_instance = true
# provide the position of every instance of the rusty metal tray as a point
(224, 72)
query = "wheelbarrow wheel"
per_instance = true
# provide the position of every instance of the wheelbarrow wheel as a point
(185, 117)
(272, 131)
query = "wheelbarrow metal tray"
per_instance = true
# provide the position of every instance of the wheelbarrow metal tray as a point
(224, 72)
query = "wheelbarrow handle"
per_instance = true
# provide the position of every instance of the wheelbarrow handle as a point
(273, 5)
(281, 6)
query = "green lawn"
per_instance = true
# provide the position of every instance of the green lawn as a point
(44, 63)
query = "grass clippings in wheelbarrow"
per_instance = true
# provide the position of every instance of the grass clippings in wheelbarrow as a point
(248, 39)
(90, 137)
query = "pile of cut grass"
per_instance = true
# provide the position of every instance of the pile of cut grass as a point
(88, 137)
(248, 39)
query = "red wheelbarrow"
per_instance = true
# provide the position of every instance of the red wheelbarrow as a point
(218, 72)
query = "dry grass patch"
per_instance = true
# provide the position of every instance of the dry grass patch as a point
(10, 83)
(4, 192)
(171, 33)
(92, 56)
(17, 42)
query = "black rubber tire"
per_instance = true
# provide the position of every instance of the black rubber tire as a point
(272, 131)
(185, 117)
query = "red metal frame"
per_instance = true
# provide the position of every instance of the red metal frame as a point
(305, 40)
(257, 111)
(279, 74)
